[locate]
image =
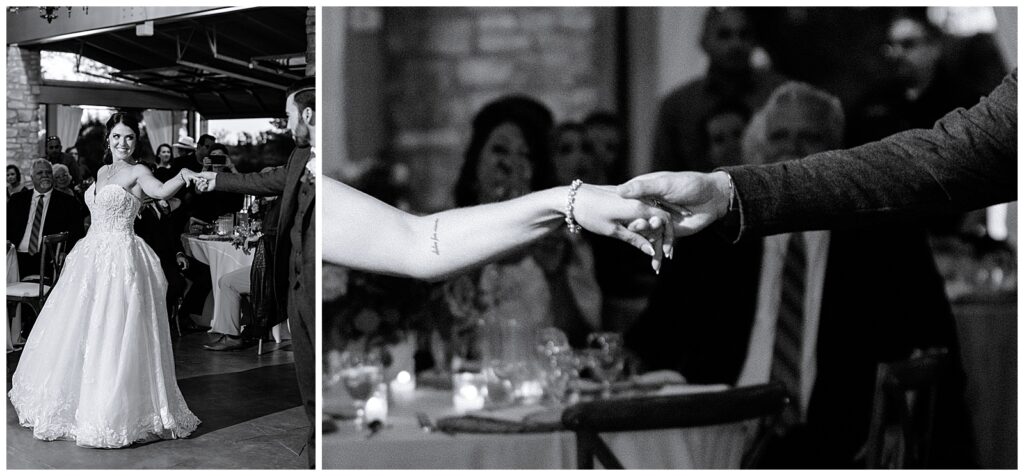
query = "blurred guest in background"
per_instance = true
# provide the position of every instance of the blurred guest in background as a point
(552, 281)
(164, 163)
(62, 183)
(55, 154)
(14, 184)
(928, 80)
(211, 205)
(723, 133)
(572, 155)
(604, 139)
(192, 159)
(815, 311)
(728, 40)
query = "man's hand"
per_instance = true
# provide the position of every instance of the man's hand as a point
(207, 181)
(695, 199)
(182, 261)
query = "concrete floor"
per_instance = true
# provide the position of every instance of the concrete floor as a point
(249, 405)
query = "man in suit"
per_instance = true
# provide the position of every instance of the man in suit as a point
(966, 161)
(815, 311)
(33, 214)
(294, 252)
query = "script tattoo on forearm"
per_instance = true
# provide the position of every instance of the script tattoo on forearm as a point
(433, 238)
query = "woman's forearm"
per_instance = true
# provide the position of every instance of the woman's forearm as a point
(452, 241)
(364, 233)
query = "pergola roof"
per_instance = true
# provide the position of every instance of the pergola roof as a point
(226, 63)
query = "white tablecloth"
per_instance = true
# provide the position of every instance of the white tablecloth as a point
(403, 445)
(223, 258)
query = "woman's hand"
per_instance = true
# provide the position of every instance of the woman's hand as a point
(188, 176)
(601, 210)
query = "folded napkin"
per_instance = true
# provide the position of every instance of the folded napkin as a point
(521, 413)
(686, 389)
(650, 381)
(513, 419)
(214, 238)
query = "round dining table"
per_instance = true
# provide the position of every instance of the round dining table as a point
(403, 444)
(222, 257)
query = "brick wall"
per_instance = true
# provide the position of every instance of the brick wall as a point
(23, 77)
(444, 64)
(311, 40)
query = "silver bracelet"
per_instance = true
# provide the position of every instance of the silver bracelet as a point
(570, 219)
(732, 192)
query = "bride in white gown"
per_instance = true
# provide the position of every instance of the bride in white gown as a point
(98, 367)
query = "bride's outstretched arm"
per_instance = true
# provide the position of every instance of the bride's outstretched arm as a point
(364, 233)
(154, 188)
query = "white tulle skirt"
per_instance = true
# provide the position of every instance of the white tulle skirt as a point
(98, 368)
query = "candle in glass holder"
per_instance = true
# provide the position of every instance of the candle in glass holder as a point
(469, 392)
(403, 386)
(376, 408)
(530, 391)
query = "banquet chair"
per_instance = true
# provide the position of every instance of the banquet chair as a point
(34, 294)
(904, 411)
(589, 419)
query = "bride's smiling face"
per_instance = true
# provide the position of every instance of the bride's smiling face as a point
(121, 141)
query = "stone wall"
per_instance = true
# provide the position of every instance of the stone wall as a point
(23, 78)
(444, 64)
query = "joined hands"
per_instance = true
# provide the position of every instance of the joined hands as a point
(203, 181)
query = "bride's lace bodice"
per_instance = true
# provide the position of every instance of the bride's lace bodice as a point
(113, 208)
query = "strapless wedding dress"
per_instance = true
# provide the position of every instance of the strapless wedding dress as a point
(98, 367)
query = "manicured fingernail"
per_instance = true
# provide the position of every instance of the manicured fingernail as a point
(647, 248)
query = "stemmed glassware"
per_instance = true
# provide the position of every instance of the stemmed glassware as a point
(606, 358)
(361, 373)
(558, 363)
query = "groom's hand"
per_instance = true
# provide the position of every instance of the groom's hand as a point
(696, 199)
(207, 181)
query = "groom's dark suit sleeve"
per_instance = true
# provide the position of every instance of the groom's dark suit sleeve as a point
(968, 160)
(269, 183)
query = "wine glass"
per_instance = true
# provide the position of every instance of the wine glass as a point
(361, 373)
(606, 358)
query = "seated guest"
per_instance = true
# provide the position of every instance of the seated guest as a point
(164, 169)
(33, 214)
(235, 283)
(14, 184)
(551, 282)
(816, 311)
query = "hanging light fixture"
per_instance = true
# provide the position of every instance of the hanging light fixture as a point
(48, 13)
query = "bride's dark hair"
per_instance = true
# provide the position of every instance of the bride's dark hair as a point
(118, 118)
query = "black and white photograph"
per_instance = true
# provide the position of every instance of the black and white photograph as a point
(669, 237)
(160, 252)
